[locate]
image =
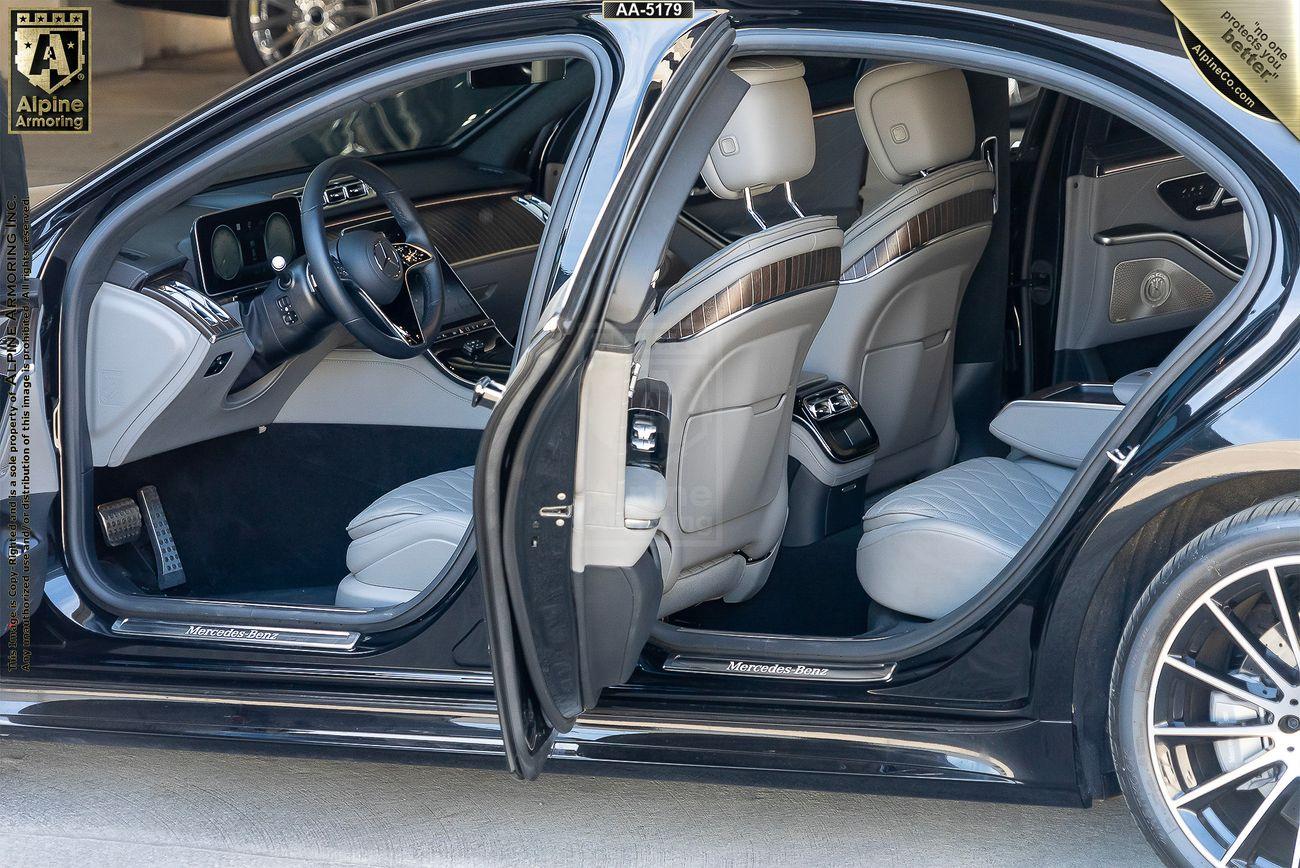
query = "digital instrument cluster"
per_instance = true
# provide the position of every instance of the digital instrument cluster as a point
(235, 248)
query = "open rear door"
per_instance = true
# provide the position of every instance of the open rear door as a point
(28, 477)
(564, 524)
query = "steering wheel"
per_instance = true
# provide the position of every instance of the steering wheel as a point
(377, 288)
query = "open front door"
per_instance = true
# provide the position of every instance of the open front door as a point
(564, 521)
(28, 477)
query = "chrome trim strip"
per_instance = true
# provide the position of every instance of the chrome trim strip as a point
(1087, 405)
(828, 112)
(1142, 163)
(239, 634)
(1191, 245)
(539, 208)
(743, 668)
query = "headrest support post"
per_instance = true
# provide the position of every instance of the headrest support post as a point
(789, 198)
(749, 206)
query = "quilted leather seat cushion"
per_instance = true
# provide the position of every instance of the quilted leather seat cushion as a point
(932, 545)
(451, 491)
(402, 542)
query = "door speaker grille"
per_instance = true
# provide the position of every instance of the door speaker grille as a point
(1142, 288)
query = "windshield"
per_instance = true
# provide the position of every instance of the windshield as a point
(429, 115)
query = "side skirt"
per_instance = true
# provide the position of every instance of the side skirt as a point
(1022, 761)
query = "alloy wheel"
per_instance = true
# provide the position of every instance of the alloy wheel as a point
(1223, 719)
(282, 27)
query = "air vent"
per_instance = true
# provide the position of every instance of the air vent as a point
(345, 189)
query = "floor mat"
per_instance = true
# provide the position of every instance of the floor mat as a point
(813, 591)
(262, 512)
(318, 595)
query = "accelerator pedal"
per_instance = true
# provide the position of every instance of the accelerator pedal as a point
(120, 521)
(165, 555)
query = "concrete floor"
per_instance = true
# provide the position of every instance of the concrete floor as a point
(92, 805)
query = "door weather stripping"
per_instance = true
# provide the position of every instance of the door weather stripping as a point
(747, 668)
(235, 634)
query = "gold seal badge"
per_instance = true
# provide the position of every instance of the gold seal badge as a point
(1246, 50)
(49, 71)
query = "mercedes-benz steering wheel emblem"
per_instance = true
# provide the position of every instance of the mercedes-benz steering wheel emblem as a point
(386, 258)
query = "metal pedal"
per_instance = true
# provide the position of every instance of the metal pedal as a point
(166, 558)
(120, 520)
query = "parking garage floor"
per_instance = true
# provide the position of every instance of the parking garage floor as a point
(78, 805)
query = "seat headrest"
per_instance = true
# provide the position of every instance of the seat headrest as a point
(769, 139)
(914, 117)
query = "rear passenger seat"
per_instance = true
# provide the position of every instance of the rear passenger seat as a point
(930, 546)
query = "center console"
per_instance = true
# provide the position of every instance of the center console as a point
(832, 449)
(469, 345)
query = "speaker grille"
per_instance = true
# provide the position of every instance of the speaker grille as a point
(1142, 288)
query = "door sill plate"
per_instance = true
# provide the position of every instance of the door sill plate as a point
(238, 634)
(751, 668)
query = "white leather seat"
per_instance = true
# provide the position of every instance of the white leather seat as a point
(402, 541)
(932, 545)
(906, 264)
(729, 339)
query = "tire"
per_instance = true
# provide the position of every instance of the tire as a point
(244, 30)
(1238, 567)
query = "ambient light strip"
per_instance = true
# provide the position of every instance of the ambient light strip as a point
(963, 212)
(792, 275)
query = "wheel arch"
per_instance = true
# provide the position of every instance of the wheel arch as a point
(1145, 527)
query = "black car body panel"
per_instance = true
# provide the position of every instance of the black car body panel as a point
(1009, 707)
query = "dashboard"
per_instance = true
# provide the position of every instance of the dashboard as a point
(234, 248)
(170, 355)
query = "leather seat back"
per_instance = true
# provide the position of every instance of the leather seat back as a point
(906, 264)
(730, 339)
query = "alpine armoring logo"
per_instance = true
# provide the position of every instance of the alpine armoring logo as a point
(49, 71)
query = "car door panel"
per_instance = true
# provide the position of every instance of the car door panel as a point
(562, 627)
(1134, 267)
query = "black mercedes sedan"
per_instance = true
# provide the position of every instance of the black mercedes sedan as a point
(896, 396)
